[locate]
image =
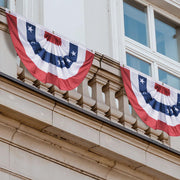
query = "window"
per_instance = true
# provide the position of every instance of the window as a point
(135, 18)
(138, 64)
(3, 3)
(169, 79)
(167, 34)
(153, 34)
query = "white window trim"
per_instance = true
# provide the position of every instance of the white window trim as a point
(151, 23)
(114, 27)
(29, 9)
(11, 4)
(117, 30)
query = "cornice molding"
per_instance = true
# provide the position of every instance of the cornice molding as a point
(46, 158)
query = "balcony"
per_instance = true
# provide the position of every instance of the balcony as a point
(88, 116)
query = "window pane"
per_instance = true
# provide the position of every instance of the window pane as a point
(135, 19)
(138, 64)
(167, 37)
(169, 79)
(3, 3)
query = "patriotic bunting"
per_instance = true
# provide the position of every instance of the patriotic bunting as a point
(48, 57)
(158, 106)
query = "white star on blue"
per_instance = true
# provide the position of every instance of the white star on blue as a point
(30, 29)
(142, 80)
(73, 53)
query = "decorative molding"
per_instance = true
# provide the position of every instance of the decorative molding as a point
(53, 160)
(4, 27)
(3, 24)
(10, 172)
(2, 11)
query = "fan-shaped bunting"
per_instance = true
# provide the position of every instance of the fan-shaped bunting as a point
(157, 105)
(48, 57)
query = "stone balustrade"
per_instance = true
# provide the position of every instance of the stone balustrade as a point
(104, 79)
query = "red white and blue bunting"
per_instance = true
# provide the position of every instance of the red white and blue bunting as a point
(48, 57)
(158, 106)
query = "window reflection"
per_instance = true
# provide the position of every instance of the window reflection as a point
(167, 35)
(3, 3)
(135, 19)
(138, 64)
(169, 79)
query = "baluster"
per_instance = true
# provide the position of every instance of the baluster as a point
(100, 108)
(164, 138)
(153, 134)
(86, 102)
(56, 91)
(127, 119)
(28, 78)
(72, 96)
(42, 86)
(139, 126)
(20, 73)
(110, 89)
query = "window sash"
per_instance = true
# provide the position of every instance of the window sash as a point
(135, 16)
(169, 79)
(138, 64)
(167, 36)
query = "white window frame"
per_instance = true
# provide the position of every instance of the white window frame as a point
(11, 4)
(31, 9)
(122, 44)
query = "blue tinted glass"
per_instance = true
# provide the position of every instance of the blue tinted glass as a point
(166, 39)
(169, 79)
(138, 64)
(135, 19)
(3, 3)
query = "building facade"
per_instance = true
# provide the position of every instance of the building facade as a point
(91, 132)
